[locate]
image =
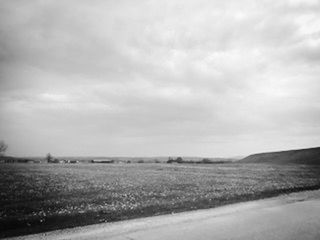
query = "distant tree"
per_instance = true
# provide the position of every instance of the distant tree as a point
(179, 160)
(49, 158)
(206, 160)
(141, 161)
(170, 160)
(3, 148)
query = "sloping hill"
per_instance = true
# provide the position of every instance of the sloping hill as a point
(301, 156)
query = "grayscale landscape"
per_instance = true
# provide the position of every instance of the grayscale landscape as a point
(171, 119)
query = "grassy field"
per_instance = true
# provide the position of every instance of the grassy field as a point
(40, 197)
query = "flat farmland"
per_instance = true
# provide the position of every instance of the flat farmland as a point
(42, 197)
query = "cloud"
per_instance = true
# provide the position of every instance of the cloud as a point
(157, 78)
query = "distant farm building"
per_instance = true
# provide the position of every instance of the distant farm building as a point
(73, 161)
(102, 161)
(56, 160)
(6, 159)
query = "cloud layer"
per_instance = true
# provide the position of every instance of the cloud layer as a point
(142, 78)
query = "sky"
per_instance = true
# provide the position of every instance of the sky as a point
(211, 78)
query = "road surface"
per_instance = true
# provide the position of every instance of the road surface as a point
(289, 217)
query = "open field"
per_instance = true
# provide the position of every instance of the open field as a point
(291, 216)
(40, 197)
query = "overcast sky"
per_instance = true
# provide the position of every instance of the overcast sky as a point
(158, 78)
